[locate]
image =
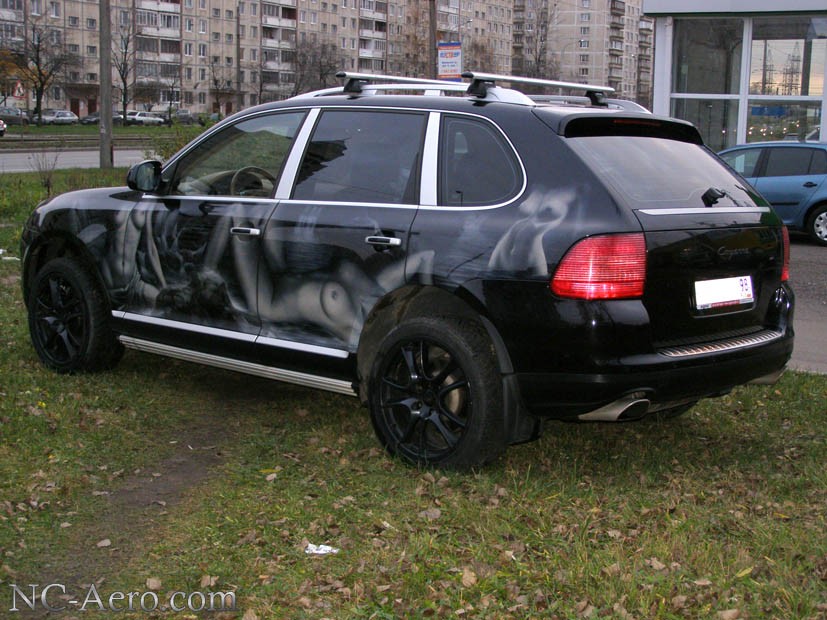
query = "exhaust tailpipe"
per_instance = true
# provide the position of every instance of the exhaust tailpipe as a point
(630, 407)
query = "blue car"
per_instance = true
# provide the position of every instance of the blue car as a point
(791, 176)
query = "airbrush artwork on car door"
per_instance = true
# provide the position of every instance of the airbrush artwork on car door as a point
(340, 242)
(195, 248)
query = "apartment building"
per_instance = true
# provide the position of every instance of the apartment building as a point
(597, 41)
(224, 55)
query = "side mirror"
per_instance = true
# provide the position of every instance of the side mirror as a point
(145, 176)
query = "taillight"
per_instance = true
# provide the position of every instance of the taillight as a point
(603, 267)
(785, 269)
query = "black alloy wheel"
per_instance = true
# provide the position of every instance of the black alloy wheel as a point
(436, 396)
(68, 320)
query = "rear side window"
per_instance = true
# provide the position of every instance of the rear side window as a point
(788, 162)
(477, 166)
(743, 162)
(363, 156)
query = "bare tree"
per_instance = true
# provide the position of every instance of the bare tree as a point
(123, 61)
(42, 59)
(477, 55)
(316, 65)
(417, 60)
(221, 86)
(8, 73)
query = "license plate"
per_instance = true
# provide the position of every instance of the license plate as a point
(724, 292)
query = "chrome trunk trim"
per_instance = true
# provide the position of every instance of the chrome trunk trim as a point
(719, 346)
(259, 370)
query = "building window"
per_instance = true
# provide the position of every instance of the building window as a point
(202, 26)
(583, 43)
(74, 21)
(585, 17)
(228, 38)
(189, 24)
(91, 50)
(584, 71)
(202, 50)
(54, 9)
(710, 53)
(91, 77)
(202, 74)
(91, 24)
(216, 36)
(216, 13)
(187, 49)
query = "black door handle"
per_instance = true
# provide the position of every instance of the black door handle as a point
(810, 184)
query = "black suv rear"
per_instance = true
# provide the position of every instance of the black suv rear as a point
(467, 265)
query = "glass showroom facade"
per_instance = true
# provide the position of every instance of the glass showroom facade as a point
(743, 78)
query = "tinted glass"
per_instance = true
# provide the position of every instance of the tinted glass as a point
(476, 164)
(244, 159)
(655, 172)
(787, 162)
(818, 165)
(743, 162)
(363, 156)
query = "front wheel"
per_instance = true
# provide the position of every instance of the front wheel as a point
(69, 319)
(817, 225)
(435, 394)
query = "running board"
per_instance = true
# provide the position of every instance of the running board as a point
(259, 370)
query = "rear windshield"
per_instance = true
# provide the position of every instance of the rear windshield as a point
(652, 172)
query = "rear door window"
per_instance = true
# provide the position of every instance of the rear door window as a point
(363, 156)
(792, 162)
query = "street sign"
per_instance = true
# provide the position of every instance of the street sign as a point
(449, 63)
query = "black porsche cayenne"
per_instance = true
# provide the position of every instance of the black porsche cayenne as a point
(464, 259)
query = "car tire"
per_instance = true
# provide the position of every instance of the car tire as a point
(817, 225)
(69, 319)
(435, 394)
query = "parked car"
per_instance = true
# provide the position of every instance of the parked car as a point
(792, 176)
(466, 265)
(135, 117)
(14, 116)
(59, 117)
(95, 117)
(2, 128)
(184, 117)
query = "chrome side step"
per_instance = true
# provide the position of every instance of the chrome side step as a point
(730, 344)
(259, 370)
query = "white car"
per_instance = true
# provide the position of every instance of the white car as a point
(143, 118)
(59, 117)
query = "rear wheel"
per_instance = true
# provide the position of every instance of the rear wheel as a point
(69, 319)
(435, 394)
(817, 225)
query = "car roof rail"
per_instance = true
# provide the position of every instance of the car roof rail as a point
(482, 82)
(483, 86)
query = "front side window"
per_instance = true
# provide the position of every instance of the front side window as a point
(244, 159)
(476, 164)
(363, 156)
(743, 161)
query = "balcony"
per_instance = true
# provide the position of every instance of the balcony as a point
(277, 44)
(646, 25)
(275, 65)
(278, 22)
(371, 53)
(616, 51)
(154, 5)
(617, 21)
(367, 14)
(372, 34)
(617, 7)
(615, 64)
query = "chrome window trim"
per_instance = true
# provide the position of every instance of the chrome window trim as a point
(294, 160)
(705, 210)
(430, 162)
(208, 198)
(232, 335)
(250, 368)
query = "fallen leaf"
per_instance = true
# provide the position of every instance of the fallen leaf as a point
(249, 615)
(702, 582)
(208, 581)
(104, 543)
(730, 614)
(153, 584)
(469, 578)
(655, 564)
(744, 573)
(432, 514)
(679, 602)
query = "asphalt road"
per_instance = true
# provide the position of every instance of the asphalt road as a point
(808, 262)
(22, 161)
(808, 277)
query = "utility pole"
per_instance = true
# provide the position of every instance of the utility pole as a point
(106, 155)
(432, 37)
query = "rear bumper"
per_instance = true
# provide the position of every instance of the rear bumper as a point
(657, 378)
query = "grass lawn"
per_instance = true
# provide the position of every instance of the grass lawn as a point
(166, 476)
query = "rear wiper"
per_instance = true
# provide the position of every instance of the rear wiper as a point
(712, 196)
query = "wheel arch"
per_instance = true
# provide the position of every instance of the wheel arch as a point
(50, 246)
(414, 300)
